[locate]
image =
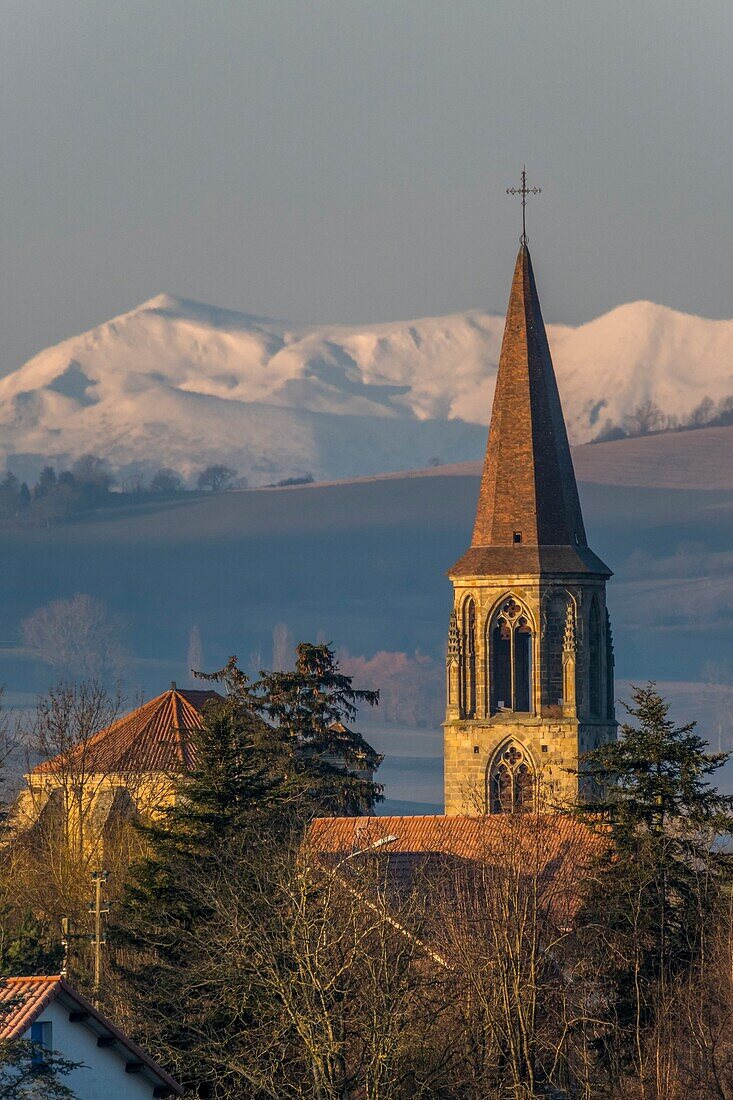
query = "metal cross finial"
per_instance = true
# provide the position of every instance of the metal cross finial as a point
(524, 191)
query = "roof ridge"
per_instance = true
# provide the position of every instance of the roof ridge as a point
(176, 700)
(32, 978)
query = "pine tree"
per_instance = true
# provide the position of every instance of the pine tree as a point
(233, 802)
(308, 709)
(654, 892)
(311, 705)
(26, 944)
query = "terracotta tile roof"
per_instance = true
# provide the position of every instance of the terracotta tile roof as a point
(27, 998)
(150, 739)
(469, 836)
(554, 847)
(528, 489)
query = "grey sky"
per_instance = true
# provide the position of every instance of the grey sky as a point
(343, 160)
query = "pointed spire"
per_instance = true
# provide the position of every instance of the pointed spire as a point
(528, 517)
(528, 490)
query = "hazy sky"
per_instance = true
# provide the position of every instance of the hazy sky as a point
(341, 160)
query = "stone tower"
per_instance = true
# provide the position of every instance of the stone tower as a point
(530, 656)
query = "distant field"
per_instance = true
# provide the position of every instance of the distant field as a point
(701, 459)
(362, 564)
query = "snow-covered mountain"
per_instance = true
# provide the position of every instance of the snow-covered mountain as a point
(176, 383)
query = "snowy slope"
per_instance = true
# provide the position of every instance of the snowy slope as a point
(181, 384)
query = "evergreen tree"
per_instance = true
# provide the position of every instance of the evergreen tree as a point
(308, 709)
(46, 483)
(312, 705)
(235, 801)
(26, 944)
(653, 894)
(10, 484)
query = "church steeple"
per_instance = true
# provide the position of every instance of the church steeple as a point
(528, 488)
(528, 513)
(530, 662)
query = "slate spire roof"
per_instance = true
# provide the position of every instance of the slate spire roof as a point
(152, 738)
(528, 515)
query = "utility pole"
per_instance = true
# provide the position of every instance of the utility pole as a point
(98, 878)
(65, 939)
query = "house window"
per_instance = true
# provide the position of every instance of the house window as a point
(511, 659)
(517, 537)
(42, 1038)
(511, 785)
(42, 1033)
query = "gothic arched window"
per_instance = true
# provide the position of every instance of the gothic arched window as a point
(556, 610)
(511, 783)
(468, 660)
(594, 660)
(511, 659)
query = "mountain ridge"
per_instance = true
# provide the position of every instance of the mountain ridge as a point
(174, 382)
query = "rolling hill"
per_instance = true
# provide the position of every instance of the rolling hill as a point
(362, 564)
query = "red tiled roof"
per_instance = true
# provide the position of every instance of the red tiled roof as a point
(468, 836)
(555, 848)
(150, 739)
(27, 998)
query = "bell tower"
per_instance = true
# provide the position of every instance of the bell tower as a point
(530, 657)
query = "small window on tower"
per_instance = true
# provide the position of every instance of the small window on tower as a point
(517, 536)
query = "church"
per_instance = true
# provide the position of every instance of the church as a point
(529, 665)
(530, 656)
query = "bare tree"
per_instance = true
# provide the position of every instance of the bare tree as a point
(75, 814)
(504, 921)
(134, 484)
(78, 638)
(283, 647)
(647, 417)
(336, 994)
(410, 685)
(195, 655)
(94, 471)
(166, 481)
(59, 734)
(215, 478)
